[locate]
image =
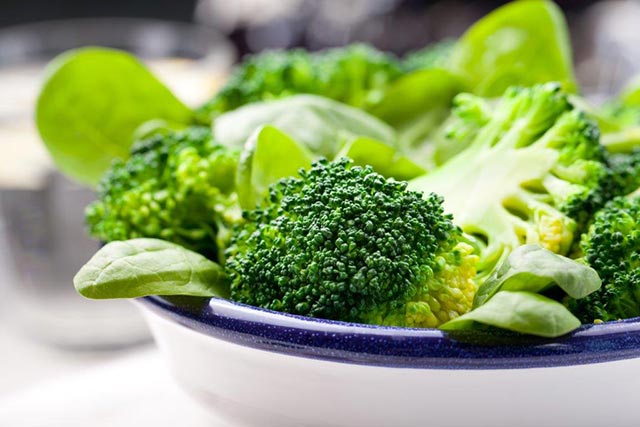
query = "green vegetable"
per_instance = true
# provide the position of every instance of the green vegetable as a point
(519, 311)
(521, 43)
(177, 186)
(91, 102)
(341, 242)
(320, 124)
(353, 75)
(416, 105)
(530, 174)
(140, 267)
(612, 247)
(532, 268)
(268, 156)
(509, 298)
(384, 159)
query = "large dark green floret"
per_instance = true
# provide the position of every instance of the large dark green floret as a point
(355, 75)
(612, 248)
(342, 242)
(176, 186)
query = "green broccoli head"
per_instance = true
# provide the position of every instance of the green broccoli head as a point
(355, 75)
(611, 246)
(532, 172)
(176, 186)
(342, 242)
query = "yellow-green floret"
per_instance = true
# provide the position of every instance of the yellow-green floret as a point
(342, 242)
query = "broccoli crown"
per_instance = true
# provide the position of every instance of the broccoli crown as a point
(355, 75)
(341, 242)
(176, 186)
(625, 169)
(533, 171)
(611, 246)
(431, 56)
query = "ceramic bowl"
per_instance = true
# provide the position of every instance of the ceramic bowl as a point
(257, 367)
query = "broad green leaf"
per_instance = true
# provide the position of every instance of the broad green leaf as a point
(521, 43)
(518, 311)
(268, 156)
(384, 159)
(90, 104)
(630, 95)
(410, 97)
(141, 267)
(532, 268)
(320, 124)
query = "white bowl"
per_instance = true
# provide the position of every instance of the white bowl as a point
(261, 368)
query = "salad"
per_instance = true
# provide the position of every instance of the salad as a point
(467, 185)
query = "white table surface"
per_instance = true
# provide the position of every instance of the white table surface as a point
(45, 387)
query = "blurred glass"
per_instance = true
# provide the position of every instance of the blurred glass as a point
(42, 237)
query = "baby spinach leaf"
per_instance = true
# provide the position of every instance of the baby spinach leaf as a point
(320, 124)
(384, 159)
(532, 268)
(410, 97)
(141, 267)
(630, 94)
(268, 156)
(518, 311)
(91, 102)
(521, 43)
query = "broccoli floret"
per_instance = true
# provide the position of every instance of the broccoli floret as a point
(612, 248)
(431, 56)
(342, 242)
(176, 186)
(355, 75)
(531, 174)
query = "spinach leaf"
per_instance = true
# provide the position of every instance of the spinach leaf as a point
(521, 43)
(630, 94)
(532, 268)
(416, 105)
(320, 124)
(268, 156)
(140, 267)
(384, 159)
(519, 311)
(92, 101)
(406, 101)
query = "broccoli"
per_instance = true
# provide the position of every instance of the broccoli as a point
(611, 246)
(355, 75)
(341, 242)
(177, 186)
(532, 173)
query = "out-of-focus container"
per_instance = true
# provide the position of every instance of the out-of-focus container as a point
(42, 237)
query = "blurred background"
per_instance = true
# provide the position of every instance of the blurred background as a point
(48, 334)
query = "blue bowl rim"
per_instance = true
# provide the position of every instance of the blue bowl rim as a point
(397, 347)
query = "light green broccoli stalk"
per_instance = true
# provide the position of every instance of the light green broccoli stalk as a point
(342, 242)
(532, 173)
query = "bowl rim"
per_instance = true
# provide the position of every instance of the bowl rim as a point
(397, 347)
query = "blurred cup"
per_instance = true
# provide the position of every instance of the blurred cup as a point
(43, 242)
